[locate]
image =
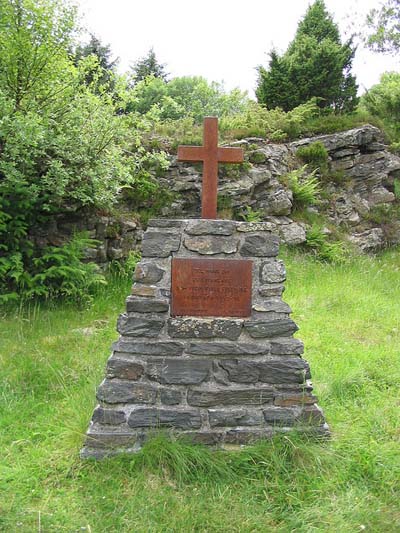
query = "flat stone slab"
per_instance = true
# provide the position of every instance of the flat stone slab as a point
(230, 396)
(131, 346)
(160, 244)
(116, 391)
(204, 329)
(270, 328)
(211, 227)
(225, 348)
(211, 245)
(264, 245)
(290, 370)
(155, 417)
(179, 371)
(137, 326)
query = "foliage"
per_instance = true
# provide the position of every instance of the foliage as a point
(63, 144)
(52, 360)
(277, 125)
(100, 72)
(383, 101)
(148, 66)
(384, 24)
(316, 64)
(304, 186)
(58, 272)
(185, 97)
(249, 215)
(323, 249)
(315, 155)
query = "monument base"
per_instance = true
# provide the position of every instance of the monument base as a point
(222, 380)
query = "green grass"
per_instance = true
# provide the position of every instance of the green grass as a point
(51, 361)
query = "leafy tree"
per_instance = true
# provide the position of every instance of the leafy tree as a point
(148, 66)
(99, 73)
(385, 26)
(383, 101)
(187, 96)
(34, 36)
(63, 147)
(316, 64)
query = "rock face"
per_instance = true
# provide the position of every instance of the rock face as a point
(361, 178)
(216, 380)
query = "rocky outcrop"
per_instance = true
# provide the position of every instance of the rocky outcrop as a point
(358, 185)
(361, 174)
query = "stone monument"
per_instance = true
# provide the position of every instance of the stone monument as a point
(206, 345)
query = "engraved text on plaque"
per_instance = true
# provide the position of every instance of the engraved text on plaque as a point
(211, 287)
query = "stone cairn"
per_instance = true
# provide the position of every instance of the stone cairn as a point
(216, 380)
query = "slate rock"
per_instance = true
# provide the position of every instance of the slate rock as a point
(270, 328)
(202, 328)
(160, 243)
(246, 436)
(211, 227)
(211, 245)
(154, 417)
(264, 245)
(272, 305)
(109, 440)
(165, 223)
(131, 346)
(207, 438)
(124, 368)
(280, 416)
(293, 370)
(179, 372)
(108, 416)
(292, 398)
(137, 326)
(272, 271)
(146, 305)
(170, 396)
(146, 291)
(271, 290)
(148, 273)
(115, 391)
(286, 346)
(234, 417)
(250, 227)
(230, 396)
(226, 348)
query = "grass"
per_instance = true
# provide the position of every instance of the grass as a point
(52, 359)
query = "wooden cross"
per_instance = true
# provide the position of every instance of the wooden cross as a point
(210, 154)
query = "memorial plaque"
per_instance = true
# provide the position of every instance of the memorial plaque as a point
(211, 287)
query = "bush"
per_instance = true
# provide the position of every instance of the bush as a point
(315, 155)
(305, 188)
(57, 272)
(317, 241)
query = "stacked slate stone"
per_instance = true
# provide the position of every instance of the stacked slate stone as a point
(218, 381)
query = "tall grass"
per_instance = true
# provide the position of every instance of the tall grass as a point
(52, 359)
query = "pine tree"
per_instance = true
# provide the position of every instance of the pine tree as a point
(148, 66)
(316, 64)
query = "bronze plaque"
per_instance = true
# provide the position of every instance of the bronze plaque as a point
(211, 287)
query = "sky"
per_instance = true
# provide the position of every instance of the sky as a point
(221, 40)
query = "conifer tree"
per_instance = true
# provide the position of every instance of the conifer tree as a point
(316, 64)
(148, 66)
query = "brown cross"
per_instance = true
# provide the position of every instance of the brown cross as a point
(210, 154)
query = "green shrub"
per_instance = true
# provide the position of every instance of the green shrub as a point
(56, 272)
(249, 215)
(305, 188)
(317, 241)
(396, 188)
(315, 155)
